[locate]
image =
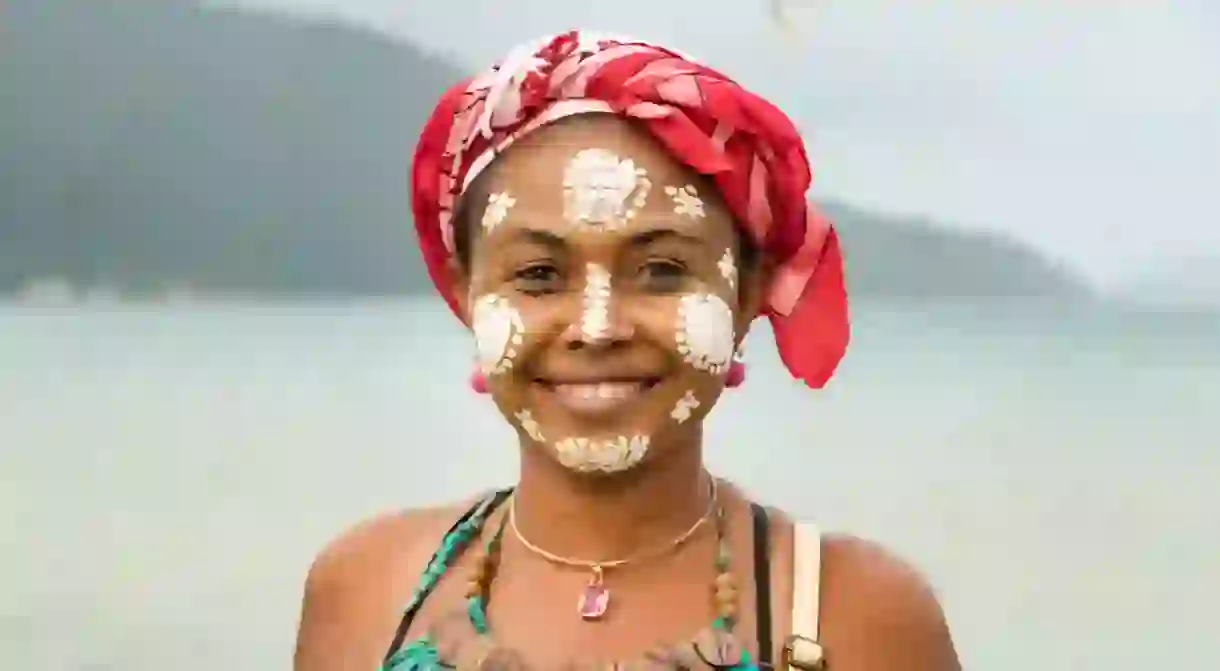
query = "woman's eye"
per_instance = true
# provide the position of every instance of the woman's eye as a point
(537, 273)
(663, 275)
(537, 279)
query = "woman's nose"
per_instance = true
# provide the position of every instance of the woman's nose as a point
(598, 322)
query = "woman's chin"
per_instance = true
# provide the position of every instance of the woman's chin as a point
(601, 455)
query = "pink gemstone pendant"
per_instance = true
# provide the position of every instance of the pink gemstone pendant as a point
(595, 598)
(594, 601)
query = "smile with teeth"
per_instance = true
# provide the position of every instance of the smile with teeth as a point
(598, 396)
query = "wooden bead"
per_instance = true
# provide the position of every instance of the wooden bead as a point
(483, 571)
(489, 565)
(727, 595)
(726, 580)
(477, 580)
(474, 588)
(480, 578)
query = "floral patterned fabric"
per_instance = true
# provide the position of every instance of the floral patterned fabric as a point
(749, 148)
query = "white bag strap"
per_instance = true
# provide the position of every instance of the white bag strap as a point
(802, 651)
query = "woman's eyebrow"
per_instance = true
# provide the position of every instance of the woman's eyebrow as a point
(649, 236)
(537, 236)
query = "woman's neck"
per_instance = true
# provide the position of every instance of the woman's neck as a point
(603, 518)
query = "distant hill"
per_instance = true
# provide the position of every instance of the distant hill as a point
(151, 143)
(1191, 283)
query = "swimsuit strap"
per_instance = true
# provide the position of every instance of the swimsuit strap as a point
(801, 648)
(454, 542)
(762, 583)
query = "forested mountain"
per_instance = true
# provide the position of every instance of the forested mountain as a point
(151, 142)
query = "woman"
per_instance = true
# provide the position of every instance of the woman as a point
(608, 217)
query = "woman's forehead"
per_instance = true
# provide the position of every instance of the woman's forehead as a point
(595, 150)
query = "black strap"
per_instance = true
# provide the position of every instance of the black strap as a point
(405, 623)
(762, 583)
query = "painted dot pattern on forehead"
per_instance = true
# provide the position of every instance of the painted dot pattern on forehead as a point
(498, 205)
(602, 190)
(686, 201)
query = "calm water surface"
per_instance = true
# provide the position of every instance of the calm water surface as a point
(167, 474)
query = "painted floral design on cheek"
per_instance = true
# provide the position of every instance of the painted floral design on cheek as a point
(610, 455)
(602, 191)
(728, 269)
(498, 330)
(705, 334)
(595, 317)
(498, 205)
(686, 405)
(530, 425)
(686, 201)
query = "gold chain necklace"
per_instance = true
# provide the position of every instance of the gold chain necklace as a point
(595, 597)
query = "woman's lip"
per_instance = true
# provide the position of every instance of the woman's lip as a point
(596, 397)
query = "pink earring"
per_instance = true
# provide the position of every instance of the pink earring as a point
(478, 382)
(736, 374)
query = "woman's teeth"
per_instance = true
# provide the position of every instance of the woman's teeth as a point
(600, 390)
(598, 397)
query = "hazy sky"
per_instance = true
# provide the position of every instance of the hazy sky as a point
(1090, 128)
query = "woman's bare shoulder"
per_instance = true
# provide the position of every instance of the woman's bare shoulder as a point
(388, 536)
(869, 593)
(359, 582)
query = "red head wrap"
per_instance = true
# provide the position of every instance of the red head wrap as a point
(747, 145)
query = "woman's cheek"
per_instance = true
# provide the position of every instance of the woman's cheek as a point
(704, 332)
(499, 333)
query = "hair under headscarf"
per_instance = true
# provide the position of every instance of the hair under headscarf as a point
(749, 148)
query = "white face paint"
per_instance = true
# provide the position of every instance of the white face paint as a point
(686, 405)
(728, 269)
(497, 328)
(686, 201)
(705, 334)
(498, 205)
(610, 455)
(530, 426)
(602, 191)
(595, 316)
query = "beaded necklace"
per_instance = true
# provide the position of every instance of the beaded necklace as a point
(463, 641)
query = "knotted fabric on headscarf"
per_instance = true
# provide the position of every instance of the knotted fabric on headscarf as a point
(749, 147)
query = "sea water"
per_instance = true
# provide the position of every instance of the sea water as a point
(167, 473)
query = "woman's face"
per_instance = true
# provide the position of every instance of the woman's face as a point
(603, 293)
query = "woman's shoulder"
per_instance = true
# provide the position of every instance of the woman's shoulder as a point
(869, 592)
(844, 554)
(359, 581)
(404, 537)
(852, 562)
